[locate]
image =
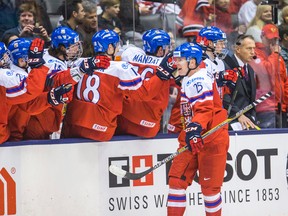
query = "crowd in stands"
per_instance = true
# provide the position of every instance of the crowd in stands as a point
(104, 47)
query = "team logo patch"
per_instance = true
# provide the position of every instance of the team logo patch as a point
(9, 73)
(124, 65)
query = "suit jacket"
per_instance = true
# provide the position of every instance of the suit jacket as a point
(246, 90)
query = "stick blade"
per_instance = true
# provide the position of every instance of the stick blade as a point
(117, 171)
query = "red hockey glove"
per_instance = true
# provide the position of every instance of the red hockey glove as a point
(193, 137)
(228, 77)
(166, 67)
(61, 94)
(35, 53)
(88, 65)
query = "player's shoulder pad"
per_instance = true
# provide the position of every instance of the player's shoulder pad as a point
(129, 53)
(120, 65)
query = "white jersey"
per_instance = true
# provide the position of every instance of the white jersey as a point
(56, 65)
(214, 67)
(145, 64)
(14, 81)
(196, 90)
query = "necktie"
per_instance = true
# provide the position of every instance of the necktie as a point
(246, 72)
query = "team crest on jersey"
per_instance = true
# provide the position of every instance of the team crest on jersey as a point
(125, 65)
(9, 73)
(50, 61)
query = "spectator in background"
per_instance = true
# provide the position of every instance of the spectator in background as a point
(128, 16)
(283, 33)
(73, 14)
(284, 16)
(8, 38)
(280, 7)
(192, 17)
(8, 18)
(223, 16)
(27, 27)
(235, 5)
(248, 11)
(109, 17)
(263, 16)
(88, 27)
(270, 76)
(41, 15)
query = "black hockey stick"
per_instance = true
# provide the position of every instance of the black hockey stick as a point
(133, 176)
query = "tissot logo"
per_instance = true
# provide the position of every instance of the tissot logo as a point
(7, 193)
(135, 164)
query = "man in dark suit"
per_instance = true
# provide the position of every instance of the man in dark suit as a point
(245, 89)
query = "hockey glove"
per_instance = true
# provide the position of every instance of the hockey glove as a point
(166, 67)
(35, 53)
(61, 94)
(193, 137)
(88, 65)
(227, 77)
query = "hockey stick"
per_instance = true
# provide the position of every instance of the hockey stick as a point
(133, 176)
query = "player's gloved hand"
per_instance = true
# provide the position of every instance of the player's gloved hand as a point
(227, 77)
(166, 67)
(193, 137)
(35, 53)
(61, 94)
(88, 65)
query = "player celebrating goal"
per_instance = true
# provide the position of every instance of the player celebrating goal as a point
(142, 118)
(101, 95)
(200, 99)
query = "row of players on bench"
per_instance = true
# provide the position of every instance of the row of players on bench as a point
(105, 93)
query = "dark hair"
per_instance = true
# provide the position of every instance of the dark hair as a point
(242, 37)
(70, 7)
(283, 29)
(26, 7)
(108, 3)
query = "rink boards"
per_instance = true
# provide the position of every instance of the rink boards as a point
(71, 177)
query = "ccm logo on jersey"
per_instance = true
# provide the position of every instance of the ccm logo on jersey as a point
(147, 124)
(99, 127)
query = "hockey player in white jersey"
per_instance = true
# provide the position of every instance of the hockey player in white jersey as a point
(214, 43)
(203, 107)
(143, 118)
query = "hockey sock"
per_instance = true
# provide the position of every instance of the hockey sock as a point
(213, 205)
(176, 202)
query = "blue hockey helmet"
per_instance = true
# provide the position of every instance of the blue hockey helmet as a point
(212, 33)
(65, 36)
(18, 48)
(68, 38)
(103, 38)
(189, 51)
(154, 38)
(4, 55)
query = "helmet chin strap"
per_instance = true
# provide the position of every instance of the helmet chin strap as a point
(189, 69)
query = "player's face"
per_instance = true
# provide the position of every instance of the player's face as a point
(246, 51)
(182, 65)
(220, 45)
(74, 51)
(5, 60)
